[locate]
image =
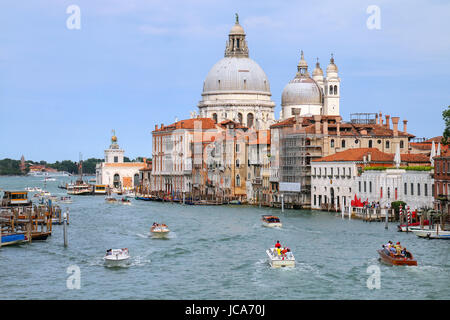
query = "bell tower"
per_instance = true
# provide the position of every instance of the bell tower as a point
(114, 154)
(332, 88)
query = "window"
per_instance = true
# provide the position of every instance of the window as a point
(314, 199)
(370, 143)
(215, 117)
(359, 185)
(370, 186)
(406, 189)
(402, 144)
(425, 189)
(432, 190)
(335, 89)
(116, 159)
(365, 186)
(331, 171)
(331, 90)
(332, 143)
(418, 189)
(388, 145)
(343, 143)
(237, 147)
(238, 181)
(412, 188)
(389, 193)
(237, 163)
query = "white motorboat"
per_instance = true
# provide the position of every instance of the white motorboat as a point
(435, 233)
(271, 221)
(412, 228)
(116, 257)
(280, 260)
(65, 200)
(159, 230)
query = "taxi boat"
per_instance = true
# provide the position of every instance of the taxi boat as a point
(283, 260)
(271, 221)
(116, 257)
(159, 230)
(396, 260)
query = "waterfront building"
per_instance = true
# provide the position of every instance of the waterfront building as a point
(237, 88)
(368, 173)
(173, 154)
(442, 182)
(145, 177)
(116, 173)
(258, 171)
(300, 139)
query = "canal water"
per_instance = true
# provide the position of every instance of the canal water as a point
(214, 252)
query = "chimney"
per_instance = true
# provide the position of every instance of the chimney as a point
(369, 157)
(395, 121)
(388, 123)
(156, 127)
(317, 123)
(380, 118)
(162, 126)
(405, 122)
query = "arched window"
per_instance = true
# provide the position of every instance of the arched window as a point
(335, 90)
(136, 180)
(237, 43)
(331, 90)
(250, 120)
(343, 143)
(238, 181)
(245, 84)
(401, 144)
(116, 181)
(370, 143)
(215, 117)
(218, 82)
(332, 143)
(240, 118)
(387, 144)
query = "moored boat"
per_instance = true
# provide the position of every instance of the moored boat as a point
(435, 233)
(111, 200)
(412, 226)
(271, 221)
(11, 239)
(116, 257)
(65, 200)
(276, 260)
(390, 258)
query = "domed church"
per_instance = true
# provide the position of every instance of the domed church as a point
(237, 88)
(306, 96)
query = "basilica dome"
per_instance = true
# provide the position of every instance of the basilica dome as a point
(301, 91)
(232, 74)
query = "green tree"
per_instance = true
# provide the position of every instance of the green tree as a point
(446, 134)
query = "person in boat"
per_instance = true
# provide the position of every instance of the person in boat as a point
(283, 253)
(279, 251)
(406, 253)
(278, 244)
(109, 252)
(398, 249)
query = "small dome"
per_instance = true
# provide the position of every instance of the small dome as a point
(301, 91)
(237, 29)
(318, 70)
(236, 74)
(332, 67)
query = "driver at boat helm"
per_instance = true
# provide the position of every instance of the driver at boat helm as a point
(278, 244)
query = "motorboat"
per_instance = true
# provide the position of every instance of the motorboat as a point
(271, 221)
(12, 238)
(111, 200)
(116, 257)
(435, 233)
(125, 200)
(65, 200)
(412, 226)
(391, 259)
(159, 230)
(276, 260)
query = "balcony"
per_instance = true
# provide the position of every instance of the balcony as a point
(256, 181)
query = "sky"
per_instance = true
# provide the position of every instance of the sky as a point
(133, 64)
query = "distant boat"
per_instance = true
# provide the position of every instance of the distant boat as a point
(271, 221)
(159, 230)
(437, 233)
